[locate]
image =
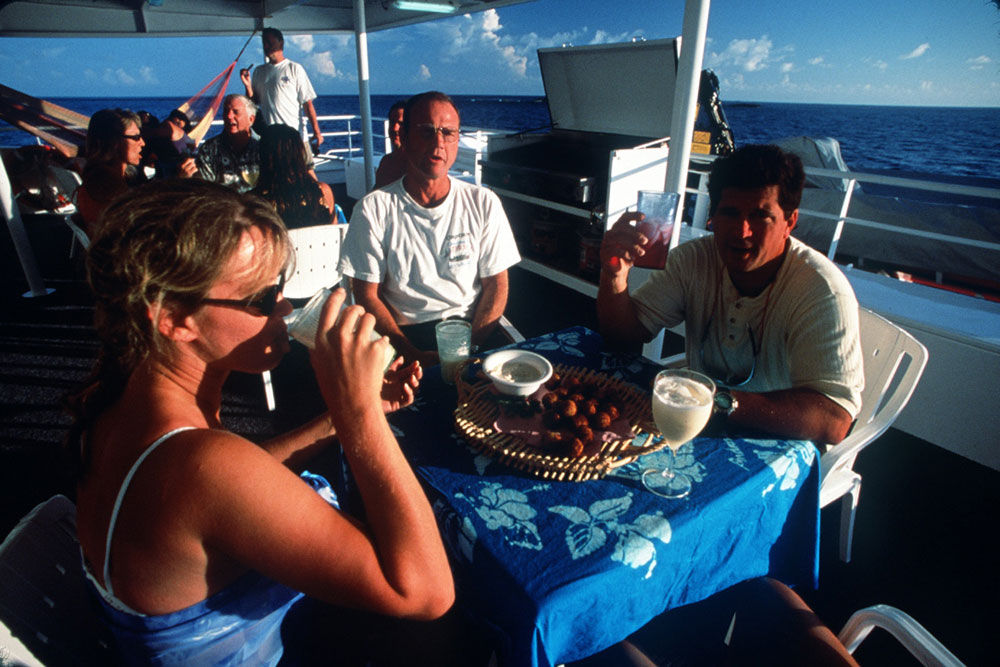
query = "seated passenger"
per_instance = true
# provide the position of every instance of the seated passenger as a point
(170, 149)
(232, 158)
(286, 181)
(204, 547)
(113, 155)
(392, 166)
(756, 622)
(774, 322)
(428, 247)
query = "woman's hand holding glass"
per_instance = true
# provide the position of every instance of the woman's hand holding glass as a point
(348, 364)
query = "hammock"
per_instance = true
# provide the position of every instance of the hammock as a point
(62, 128)
(66, 130)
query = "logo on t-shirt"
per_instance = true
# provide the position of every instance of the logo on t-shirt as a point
(459, 249)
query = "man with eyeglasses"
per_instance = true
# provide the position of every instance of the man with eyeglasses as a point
(773, 321)
(427, 246)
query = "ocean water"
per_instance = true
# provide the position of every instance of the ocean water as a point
(948, 141)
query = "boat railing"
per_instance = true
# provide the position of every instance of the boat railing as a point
(342, 141)
(701, 163)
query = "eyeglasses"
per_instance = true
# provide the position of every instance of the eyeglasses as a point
(429, 132)
(133, 137)
(264, 301)
(729, 381)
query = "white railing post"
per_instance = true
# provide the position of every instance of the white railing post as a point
(838, 230)
(699, 218)
(25, 253)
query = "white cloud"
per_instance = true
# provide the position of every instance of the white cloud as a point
(978, 62)
(118, 77)
(424, 73)
(304, 43)
(147, 75)
(601, 37)
(787, 67)
(880, 64)
(926, 86)
(323, 63)
(818, 60)
(750, 55)
(917, 52)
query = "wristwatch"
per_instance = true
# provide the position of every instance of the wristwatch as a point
(725, 403)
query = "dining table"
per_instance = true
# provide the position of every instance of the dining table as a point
(560, 570)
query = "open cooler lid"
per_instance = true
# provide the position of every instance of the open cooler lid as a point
(617, 88)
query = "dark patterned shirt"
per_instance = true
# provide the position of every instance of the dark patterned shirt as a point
(219, 163)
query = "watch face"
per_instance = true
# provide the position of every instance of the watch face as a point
(723, 401)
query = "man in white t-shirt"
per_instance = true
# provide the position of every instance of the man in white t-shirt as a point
(281, 87)
(774, 322)
(428, 247)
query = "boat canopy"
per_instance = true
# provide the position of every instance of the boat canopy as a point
(124, 18)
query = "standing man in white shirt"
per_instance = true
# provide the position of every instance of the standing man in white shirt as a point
(281, 87)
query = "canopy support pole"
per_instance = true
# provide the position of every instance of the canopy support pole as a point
(364, 96)
(25, 253)
(686, 103)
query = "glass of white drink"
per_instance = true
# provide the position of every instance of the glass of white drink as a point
(682, 404)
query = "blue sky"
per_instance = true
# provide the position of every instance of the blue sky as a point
(909, 52)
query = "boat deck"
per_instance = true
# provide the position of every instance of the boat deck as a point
(923, 538)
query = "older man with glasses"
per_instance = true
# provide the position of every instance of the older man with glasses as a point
(427, 246)
(774, 322)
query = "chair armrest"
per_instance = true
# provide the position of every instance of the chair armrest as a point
(917, 640)
(509, 330)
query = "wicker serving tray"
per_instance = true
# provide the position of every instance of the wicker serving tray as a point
(477, 412)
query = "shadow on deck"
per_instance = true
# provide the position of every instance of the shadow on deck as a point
(923, 539)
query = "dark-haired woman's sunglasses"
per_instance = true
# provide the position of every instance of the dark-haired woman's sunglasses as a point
(263, 302)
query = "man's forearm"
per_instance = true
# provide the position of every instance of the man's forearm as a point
(366, 296)
(616, 315)
(794, 413)
(490, 307)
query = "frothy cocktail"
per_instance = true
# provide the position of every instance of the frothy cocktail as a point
(682, 406)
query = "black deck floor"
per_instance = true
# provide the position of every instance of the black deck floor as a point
(924, 530)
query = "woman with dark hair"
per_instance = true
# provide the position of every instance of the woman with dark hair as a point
(286, 182)
(113, 158)
(202, 547)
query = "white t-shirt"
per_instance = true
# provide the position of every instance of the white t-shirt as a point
(804, 325)
(280, 91)
(429, 261)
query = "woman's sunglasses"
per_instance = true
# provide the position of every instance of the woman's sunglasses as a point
(263, 302)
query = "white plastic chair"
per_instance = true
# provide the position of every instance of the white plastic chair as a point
(317, 256)
(894, 361)
(889, 384)
(46, 616)
(917, 640)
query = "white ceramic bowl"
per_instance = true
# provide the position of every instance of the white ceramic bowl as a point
(517, 372)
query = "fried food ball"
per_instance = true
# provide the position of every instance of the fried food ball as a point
(579, 420)
(565, 407)
(600, 421)
(584, 432)
(576, 447)
(549, 399)
(588, 407)
(553, 438)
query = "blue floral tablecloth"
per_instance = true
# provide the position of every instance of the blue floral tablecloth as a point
(562, 570)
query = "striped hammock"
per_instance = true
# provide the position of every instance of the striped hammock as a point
(66, 130)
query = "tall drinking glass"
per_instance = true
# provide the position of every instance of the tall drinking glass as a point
(660, 209)
(454, 343)
(682, 405)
